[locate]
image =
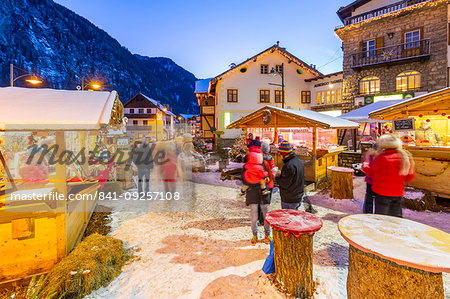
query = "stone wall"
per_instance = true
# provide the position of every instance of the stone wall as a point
(347, 158)
(432, 18)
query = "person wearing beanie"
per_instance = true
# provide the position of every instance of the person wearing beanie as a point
(392, 167)
(292, 177)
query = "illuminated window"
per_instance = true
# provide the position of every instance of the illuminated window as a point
(338, 95)
(232, 95)
(408, 81)
(264, 96)
(333, 96)
(318, 97)
(278, 96)
(369, 85)
(322, 97)
(226, 119)
(264, 68)
(306, 97)
(328, 96)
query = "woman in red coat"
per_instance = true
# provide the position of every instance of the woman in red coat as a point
(391, 169)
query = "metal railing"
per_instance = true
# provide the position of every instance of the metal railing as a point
(382, 11)
(389, 54)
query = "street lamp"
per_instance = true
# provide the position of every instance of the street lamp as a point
(32, 80)
(93, 85)
(273, 72)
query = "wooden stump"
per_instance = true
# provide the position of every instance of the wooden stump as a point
(341, 182)
(370, 276)
(294, 263)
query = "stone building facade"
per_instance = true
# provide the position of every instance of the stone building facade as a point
(403, 45)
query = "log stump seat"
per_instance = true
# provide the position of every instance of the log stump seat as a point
(392, 257)
(341, 182)
(293, 247)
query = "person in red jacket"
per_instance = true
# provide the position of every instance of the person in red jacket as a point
(254, 172)
(391, 169)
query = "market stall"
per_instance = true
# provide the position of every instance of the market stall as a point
(313, 135)
(49, 182)
(423, 123)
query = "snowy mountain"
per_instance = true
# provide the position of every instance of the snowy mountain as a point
(43, 37)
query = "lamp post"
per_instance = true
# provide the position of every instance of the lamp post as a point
(33, 80)
(94, 85)
(273, 72)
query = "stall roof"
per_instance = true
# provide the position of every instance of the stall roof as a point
(29, 109)
(361, 115)
(304, 118)
(436, 100)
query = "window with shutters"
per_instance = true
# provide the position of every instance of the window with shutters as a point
(408, 81)
(279, 68)
(369, 85)
(412, 39)
(368, 48)
(305, 97)
(264, 96)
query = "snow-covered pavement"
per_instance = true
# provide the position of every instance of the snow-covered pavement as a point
(206, 252)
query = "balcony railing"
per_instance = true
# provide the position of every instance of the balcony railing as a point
(381, 11)
(390, 54)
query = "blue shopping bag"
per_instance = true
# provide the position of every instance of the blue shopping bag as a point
(269, 264)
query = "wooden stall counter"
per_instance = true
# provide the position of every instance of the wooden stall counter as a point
(393, 257)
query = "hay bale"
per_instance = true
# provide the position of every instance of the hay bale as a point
(370, 276)
(92, 264)
(418, 200)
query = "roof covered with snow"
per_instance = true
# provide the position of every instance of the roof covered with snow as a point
(306, 118)
(187, 116)
(202, 86)
(51, 109)
(361, 115)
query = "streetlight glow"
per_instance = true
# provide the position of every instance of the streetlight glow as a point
(96, 86)
(34, 81)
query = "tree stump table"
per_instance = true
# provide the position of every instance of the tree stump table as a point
(293, 247)
(392, 257)
(341, 182)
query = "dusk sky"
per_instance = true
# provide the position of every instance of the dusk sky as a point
(206, 36)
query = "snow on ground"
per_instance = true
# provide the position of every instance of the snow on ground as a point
(206, 252)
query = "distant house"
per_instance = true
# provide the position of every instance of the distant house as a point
(188, 123)
(148, 118)
(257, 82)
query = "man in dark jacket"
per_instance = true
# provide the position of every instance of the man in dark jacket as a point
(291, 179)
(142, 157)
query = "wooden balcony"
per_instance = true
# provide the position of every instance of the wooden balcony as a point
(381, 11)
(391, 54)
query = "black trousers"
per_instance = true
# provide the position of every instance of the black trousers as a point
(368, 200)
(388, 205)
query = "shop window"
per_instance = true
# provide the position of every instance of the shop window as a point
(338, 95)
(408, 81)
(264, 96)
(369, 85)
(232, 95)
(226, 119)
(264, 68)
(306, 97)
(278, 96)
